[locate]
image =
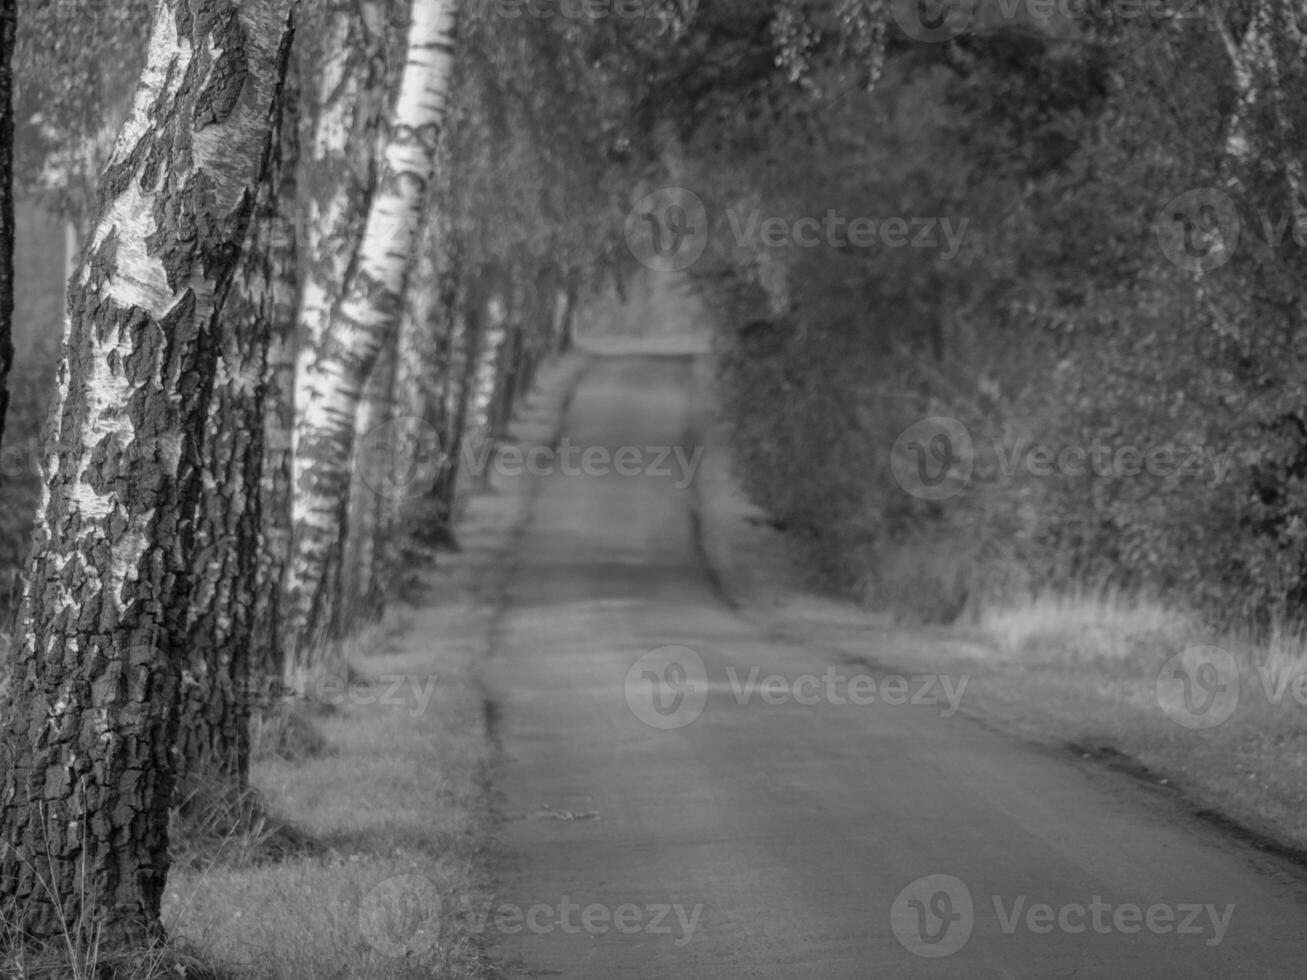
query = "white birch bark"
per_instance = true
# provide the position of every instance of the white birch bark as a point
(90, 770)
(367, 314)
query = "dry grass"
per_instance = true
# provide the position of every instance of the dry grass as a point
(1283, 658)
(215, 823)
(61, 962)
(1088, 667)
(287, 732)
(1087, 627)
(1098, 634)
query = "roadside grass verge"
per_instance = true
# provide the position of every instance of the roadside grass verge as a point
(396, 808)
(1089, 670)
(1086, 627)
(65, 961)
(1222, 717)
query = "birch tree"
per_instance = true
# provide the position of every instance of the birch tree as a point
(278, 423)
(408, 443)
(346, 105)
(230, 656)
(331, 382)
(88, 746)
(468, 357)
(8, 19)
(378, 445)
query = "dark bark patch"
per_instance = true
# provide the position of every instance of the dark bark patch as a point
(227, 77)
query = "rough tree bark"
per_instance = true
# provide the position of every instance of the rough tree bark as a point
(8, 20)
(426, 396)
(228, 658)
(383, 545)
(88, 747)
(367, 315)
(269, 665)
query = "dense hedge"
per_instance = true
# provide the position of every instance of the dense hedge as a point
(1166, 384)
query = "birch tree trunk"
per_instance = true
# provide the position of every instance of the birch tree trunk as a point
(228, 657)
(278, 408)
(495, 332)
(374, 475)
(101, 646)
(567, 326)
(466, 353)
(349, 66)
(537, 321)
(8, 18)
(427, 371)
(387, 506)
(510, 359)
(421, 389)
(367, 315)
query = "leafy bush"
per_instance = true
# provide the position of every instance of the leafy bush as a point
(1062, 321)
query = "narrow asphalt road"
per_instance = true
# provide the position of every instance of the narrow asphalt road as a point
(661, 823)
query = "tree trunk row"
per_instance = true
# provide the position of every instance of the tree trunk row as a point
(246, 406)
